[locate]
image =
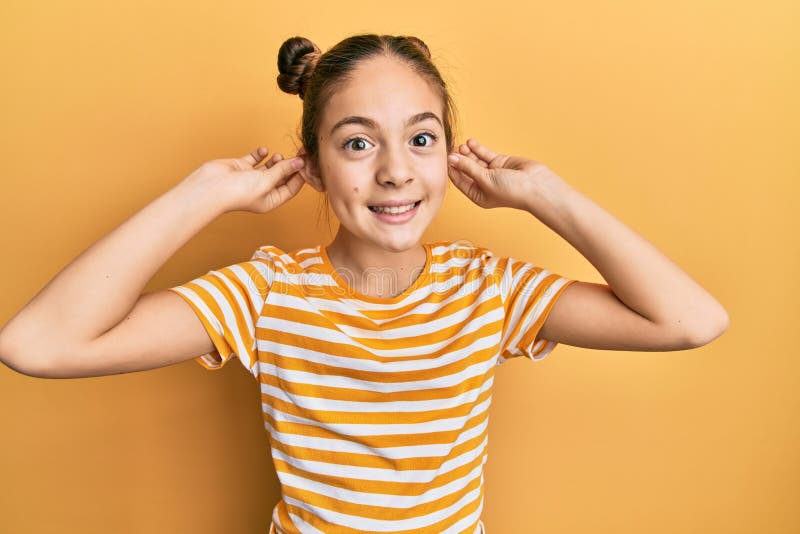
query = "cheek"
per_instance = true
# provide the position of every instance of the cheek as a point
(436, 171)
(346, 197)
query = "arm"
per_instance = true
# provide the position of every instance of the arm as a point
(94, 292)
(649, 302)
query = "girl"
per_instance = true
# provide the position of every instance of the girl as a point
(374, 354)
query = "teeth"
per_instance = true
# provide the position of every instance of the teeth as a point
(394, 210)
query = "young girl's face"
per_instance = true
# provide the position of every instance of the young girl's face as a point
(381, 139)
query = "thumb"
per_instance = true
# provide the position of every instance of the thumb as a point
(254, 158)
(285, 168)
(469, 168)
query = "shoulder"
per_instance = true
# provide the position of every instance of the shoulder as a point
(460, 249)
(506, 271)
(295, 260)
(465, 255)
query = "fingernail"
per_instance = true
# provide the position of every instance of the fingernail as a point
(297, 163)
(452, 158)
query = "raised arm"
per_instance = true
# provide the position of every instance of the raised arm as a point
(92, 318)
(648, 303)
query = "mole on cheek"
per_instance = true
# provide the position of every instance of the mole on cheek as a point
(355, 190)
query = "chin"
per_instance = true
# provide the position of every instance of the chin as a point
(400, 244)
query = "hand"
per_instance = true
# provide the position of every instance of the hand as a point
(493, 180)
(247, 187)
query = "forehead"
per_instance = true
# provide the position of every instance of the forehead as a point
(385, 90)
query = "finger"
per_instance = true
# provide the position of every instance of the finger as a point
(465, 150)
(254, 158)
(283, 169)
(482, 151)
(460, 181)
(273, 160)
(469, 167)
(469, 187)
(284, 192)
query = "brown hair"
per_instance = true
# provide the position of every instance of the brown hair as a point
(315, 76)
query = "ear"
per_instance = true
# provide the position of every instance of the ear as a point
(309, 172)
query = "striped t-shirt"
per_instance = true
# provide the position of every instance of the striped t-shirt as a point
(376, 409)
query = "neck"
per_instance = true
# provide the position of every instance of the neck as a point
(375, 270)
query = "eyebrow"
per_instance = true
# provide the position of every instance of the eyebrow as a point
(369, 123)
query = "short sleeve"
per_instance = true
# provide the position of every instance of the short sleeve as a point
(529, 293)
(228, 302)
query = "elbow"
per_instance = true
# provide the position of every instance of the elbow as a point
(711, 329)
(6, 353)
(17, 360)
(27, 367)
(14, 366)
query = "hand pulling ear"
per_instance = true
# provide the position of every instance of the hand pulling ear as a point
(309, 171)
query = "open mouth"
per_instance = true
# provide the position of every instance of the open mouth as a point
(395, 214)
(394, 210)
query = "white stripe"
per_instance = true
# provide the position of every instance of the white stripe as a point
(316, 305)
(547, 347)
(386, 429)
(276, 518)
(338, 336)
(273, 254)
(381, 525)
(421, 293)
(460, 525)
(453, 262)
(364, 364)
(379, 499)
(230, 319)
(295, 303)
(470, 287)
(418, 295)
(217, 326)
(410, 476)
(334, 381)
(538, 308)
(313, 304)
(311, 281)
(304, 527)
(305, 264)
(319, 404)
(527, 293)
(355, 447)
(248, 282)
(431, 325)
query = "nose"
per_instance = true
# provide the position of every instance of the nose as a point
(394, 168)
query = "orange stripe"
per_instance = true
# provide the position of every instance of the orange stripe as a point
(360, 395)
(354, 352)
(475, 265)
(378, 441)
(371, 460)
(332, 417)
(330, 320)
(435, 528)
(378, 486)
(380, 512)
(297, 364)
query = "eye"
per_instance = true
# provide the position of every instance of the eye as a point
(432, 136)
(360, 139)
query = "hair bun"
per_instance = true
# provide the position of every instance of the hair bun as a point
(297, 58)
(419, 43)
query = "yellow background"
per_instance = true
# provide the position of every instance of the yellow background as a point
(679, 117)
